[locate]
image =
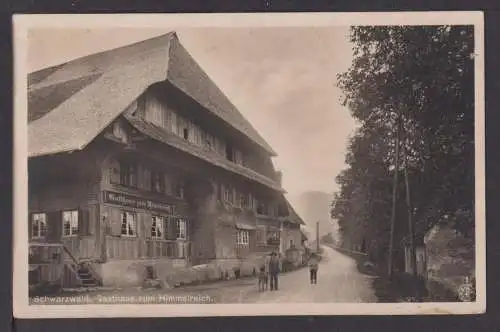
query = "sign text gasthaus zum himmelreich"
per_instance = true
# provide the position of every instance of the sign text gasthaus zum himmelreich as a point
(135, 202)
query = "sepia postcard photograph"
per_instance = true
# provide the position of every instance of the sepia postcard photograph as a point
(249, 164)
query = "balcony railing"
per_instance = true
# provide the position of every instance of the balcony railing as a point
(45, 253)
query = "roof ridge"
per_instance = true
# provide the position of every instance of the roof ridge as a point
(55, 68)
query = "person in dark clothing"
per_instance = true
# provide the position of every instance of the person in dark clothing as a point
(313, 269)
(274, 269)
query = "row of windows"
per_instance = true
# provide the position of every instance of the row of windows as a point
(247, 201)
(169, 120)
(39, 226)
(158, 226)
(70, 225)
(262, 237)
(126, 173)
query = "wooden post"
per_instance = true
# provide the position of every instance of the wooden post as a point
(394, 198)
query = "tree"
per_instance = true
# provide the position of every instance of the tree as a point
(425, 77)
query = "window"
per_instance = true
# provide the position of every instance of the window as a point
(182, 128)
(229, 152)
(157, 227)
(228, 195)
(262, 208)
(181, 229)
(129, 222)
(178, 189)
(250, 201)
(128, 174)
(273, 237)
(238, 157)
(70, 223)
(157, 181)
(243, 201)
(242, 237)
(208, 141)
(39, 225)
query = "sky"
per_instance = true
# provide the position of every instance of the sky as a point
(281, 79)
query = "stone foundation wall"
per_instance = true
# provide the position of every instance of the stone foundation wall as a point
(132, 273)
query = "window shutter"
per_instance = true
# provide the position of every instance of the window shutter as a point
(221, 192)
(114, 171)
(148, 224)
(172, 228)
(84, 222)
(54, 226)
(165, 229)
(30, 222)
(115, 222)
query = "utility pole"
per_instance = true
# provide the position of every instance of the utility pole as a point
(317, 236)
(394, 196)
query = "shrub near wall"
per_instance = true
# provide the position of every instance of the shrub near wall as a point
(450, 260)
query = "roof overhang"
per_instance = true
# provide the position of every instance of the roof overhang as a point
(176, 142)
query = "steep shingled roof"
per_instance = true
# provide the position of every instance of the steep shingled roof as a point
(70, 104)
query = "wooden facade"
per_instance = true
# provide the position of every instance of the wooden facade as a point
(166, 183)
(128, 198)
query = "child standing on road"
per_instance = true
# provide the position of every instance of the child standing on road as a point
(313, 269)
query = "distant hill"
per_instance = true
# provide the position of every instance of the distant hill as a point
(314, 206)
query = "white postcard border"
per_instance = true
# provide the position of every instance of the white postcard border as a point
(22, 23)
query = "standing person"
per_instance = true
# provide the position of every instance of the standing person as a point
(274, 269)
(313, 269)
